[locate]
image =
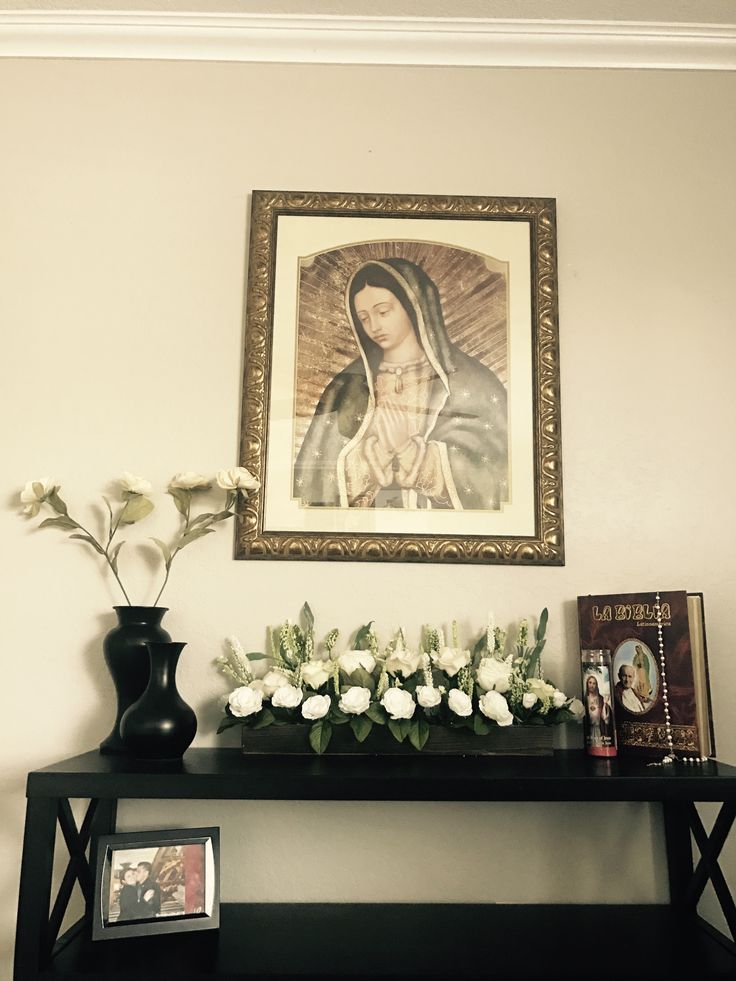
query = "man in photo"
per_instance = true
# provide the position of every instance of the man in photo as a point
(148, 892)
(626, 694)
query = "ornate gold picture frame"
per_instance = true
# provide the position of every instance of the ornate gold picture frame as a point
(401, 379)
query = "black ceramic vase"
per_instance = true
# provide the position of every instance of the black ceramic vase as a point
(160, 726)
(127, 659)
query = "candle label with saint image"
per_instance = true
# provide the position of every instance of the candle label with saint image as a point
(598, 721)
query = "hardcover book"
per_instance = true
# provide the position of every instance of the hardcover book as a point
(626, 625)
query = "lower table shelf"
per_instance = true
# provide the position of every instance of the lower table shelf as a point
(276, 940)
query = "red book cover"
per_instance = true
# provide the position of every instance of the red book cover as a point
(626, 625)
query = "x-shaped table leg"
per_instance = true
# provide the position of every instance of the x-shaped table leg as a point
(708, 868)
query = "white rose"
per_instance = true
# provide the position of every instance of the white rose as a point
(31, 499)
(403, 661)
(257, 685)
(316, 707)
(245, 701)
(355, 700)
(190, 481)
(135, 485)
(558, 698)
(577, 708)
(398, 703)
(460, 703)
(450, 660)
(494, 706)
(428, 697)
(287, 697)
(494, 674)
(541, 688)
(273, 680)
(352, 660)
(315, 673)
(237, 478)
(529, 699)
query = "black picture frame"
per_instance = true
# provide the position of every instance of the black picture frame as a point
(184, 872)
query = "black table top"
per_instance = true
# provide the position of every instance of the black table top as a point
(227, 774)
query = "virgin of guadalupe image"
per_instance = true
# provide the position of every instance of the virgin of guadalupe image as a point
(413, 421)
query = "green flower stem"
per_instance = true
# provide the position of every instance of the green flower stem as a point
(106, 553)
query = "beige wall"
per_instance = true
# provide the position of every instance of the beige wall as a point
(124, 199)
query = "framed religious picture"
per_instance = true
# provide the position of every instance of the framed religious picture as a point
(156, 882)
(401, 383)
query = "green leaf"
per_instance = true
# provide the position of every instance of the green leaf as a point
(320, 735)
(165, 550)
(63, 522)
(222, 516)
(361, 727)
(562, 715)
(362, 641)
(227, 723)
(135, 508)
(207, 516)
(181, 498)
(114, 557)
(481, 727)
(56, 502)
(377, 713)
(396, 730)
(308, 617)
(90, 541)
(480, 645)
(362, 679)
(264, 718)
(418, 732)
(338, 717)
(192, 535)
(257, 656)
(542, 626)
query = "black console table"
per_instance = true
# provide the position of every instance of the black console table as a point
(605, 942)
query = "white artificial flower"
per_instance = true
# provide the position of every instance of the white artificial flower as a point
(529, 699)
(541, 688)
(273, 680)
(460, 703)
(237, 478)
(135, 485)
(352, 660)
(398, 703)
(428, 697)
(403, 661)
(495, 707)
(188, 480)
(493, 674)
(316, 707)
(31, 499)
(355, 700)
(257, 685)
(315, 673)
(287, 696)
(577, 708)
(450, 660)
(558, 698)
(244, 702)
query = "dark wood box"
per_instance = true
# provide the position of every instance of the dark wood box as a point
(291, 740)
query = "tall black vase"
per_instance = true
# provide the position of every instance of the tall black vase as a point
(160, 726)
(127, 659)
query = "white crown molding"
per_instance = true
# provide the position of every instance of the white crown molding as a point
(465, 42)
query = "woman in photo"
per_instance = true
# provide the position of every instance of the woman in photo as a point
(413, 422)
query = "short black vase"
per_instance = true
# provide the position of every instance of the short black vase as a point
(160, 725)
(128, 661)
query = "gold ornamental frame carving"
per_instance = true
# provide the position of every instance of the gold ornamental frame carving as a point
(542, 542)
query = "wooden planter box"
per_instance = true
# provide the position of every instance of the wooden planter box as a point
(293, 740)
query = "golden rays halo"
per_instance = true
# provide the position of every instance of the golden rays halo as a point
(473, 292)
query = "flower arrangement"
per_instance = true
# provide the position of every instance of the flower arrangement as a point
(409, 690)
(135, 504)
